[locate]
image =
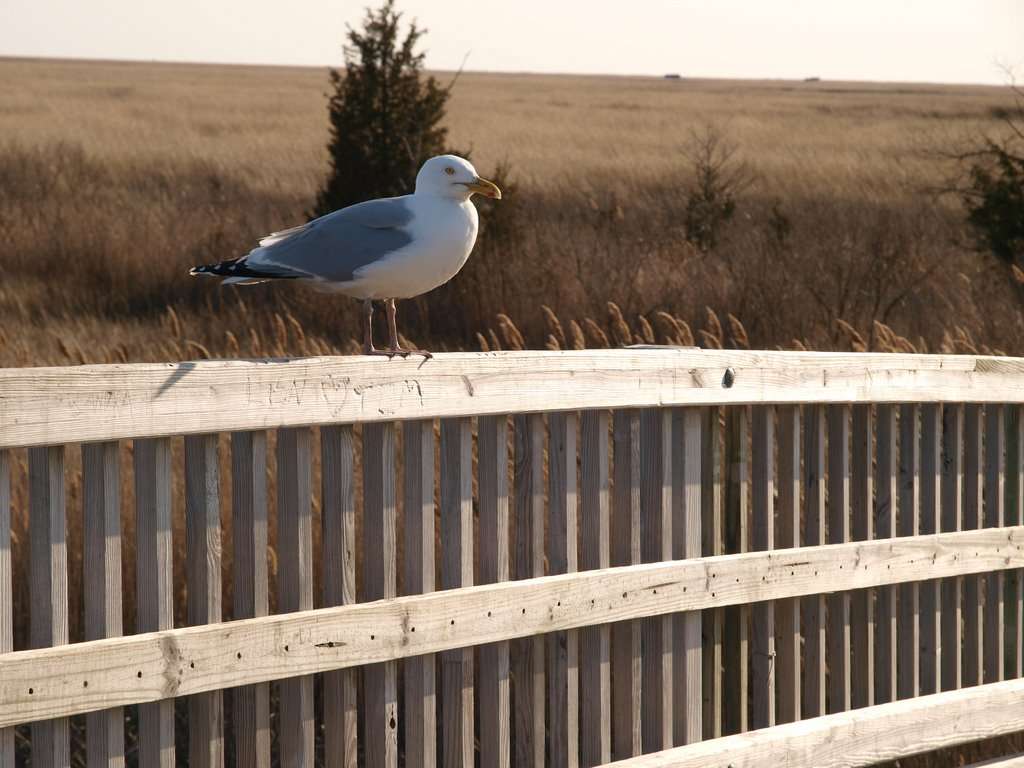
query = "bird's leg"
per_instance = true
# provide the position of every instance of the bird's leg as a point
(368, 348)
(393, 344)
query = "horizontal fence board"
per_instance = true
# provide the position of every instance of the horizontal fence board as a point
(860, 737)
(157, 665)
(106, 402)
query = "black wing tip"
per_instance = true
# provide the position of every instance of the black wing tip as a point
(237, 268)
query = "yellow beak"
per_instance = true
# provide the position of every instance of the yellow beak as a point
(484, 187)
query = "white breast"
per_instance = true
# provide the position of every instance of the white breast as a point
(443, 233)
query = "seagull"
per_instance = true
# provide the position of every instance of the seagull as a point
(380, 250)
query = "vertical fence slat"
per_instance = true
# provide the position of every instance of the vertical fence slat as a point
(251, 710)
(712, 620)
(862, 617)
(563, 693)
(338, 524)
(656, 546)
(972, 596)
(1015, 516)
(527, 654)
(763, 538)
(6, 592)
(909, 512)
(202, 543)
(886, 495)
(595, 679)
(457, 571)
(687, 449)
(929, 591)
(787, 645)
(952, 520)
(380, 681)
(734, 633)
(625, 550)
(418, 498)
(813, 608)
(838, 532)
(295, 585)
(995, 444)
(492, 475)
(101, 571)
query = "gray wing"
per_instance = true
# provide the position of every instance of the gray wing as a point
(333, 247)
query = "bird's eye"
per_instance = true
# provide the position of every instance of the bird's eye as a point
(450, 171)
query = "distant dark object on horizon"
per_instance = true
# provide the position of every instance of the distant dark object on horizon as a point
(673, 76)
(812, 79)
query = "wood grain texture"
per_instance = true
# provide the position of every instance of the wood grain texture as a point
(713, 544)
(972, 595)
(1015, 516)
(994, 499)
(787, 644)
(295, 586)
(862, 615)
(418, 503)
(930, 591)
(107, 402)
(202, 573)
(735, 641)
(595, 553)
(952, 520)
(251, 710)
(625, 550)
(338, 534)
(457, 735)
(154, 591)
(656, 546)
(563, 647)
(838, 629)
(813, 608)
(527, 655)
(334, 638)
(762, 537)
(863, 737)
(380, 681)
(908, 520)
(1011, 761)
(494, 685)
(101, 567)
(6, 593)
(886, 495)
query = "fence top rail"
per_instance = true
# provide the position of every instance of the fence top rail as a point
(40, 406)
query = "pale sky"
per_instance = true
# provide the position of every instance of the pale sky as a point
(904, 40)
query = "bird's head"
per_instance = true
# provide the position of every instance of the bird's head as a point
(453, 177)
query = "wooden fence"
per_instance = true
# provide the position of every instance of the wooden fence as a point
(667, 557)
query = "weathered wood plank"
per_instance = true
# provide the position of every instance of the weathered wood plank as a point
(107, 402)
(734, 633)
(995, 499)
(418, 497)
(251, 711)
(863, 737)
(492, 482)
(886, 495)
(763, 538)
(909, 642)
(787, 645)
(713, 619)
(862, 615)
(952, 520)
(101, 568)
(203, 564)
(338, 524)
(333, 638)
(656, 546)
(6, 592)
(1011, 761)
(625, 550)
(813, 608)
(972, 593)
(838, 631)
(563, 647)
(295, 586)
(930, 591)
(595, 553)
(380, 681)
(1015, 516)
(457, 571)
(527, 655)
(154, 592)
